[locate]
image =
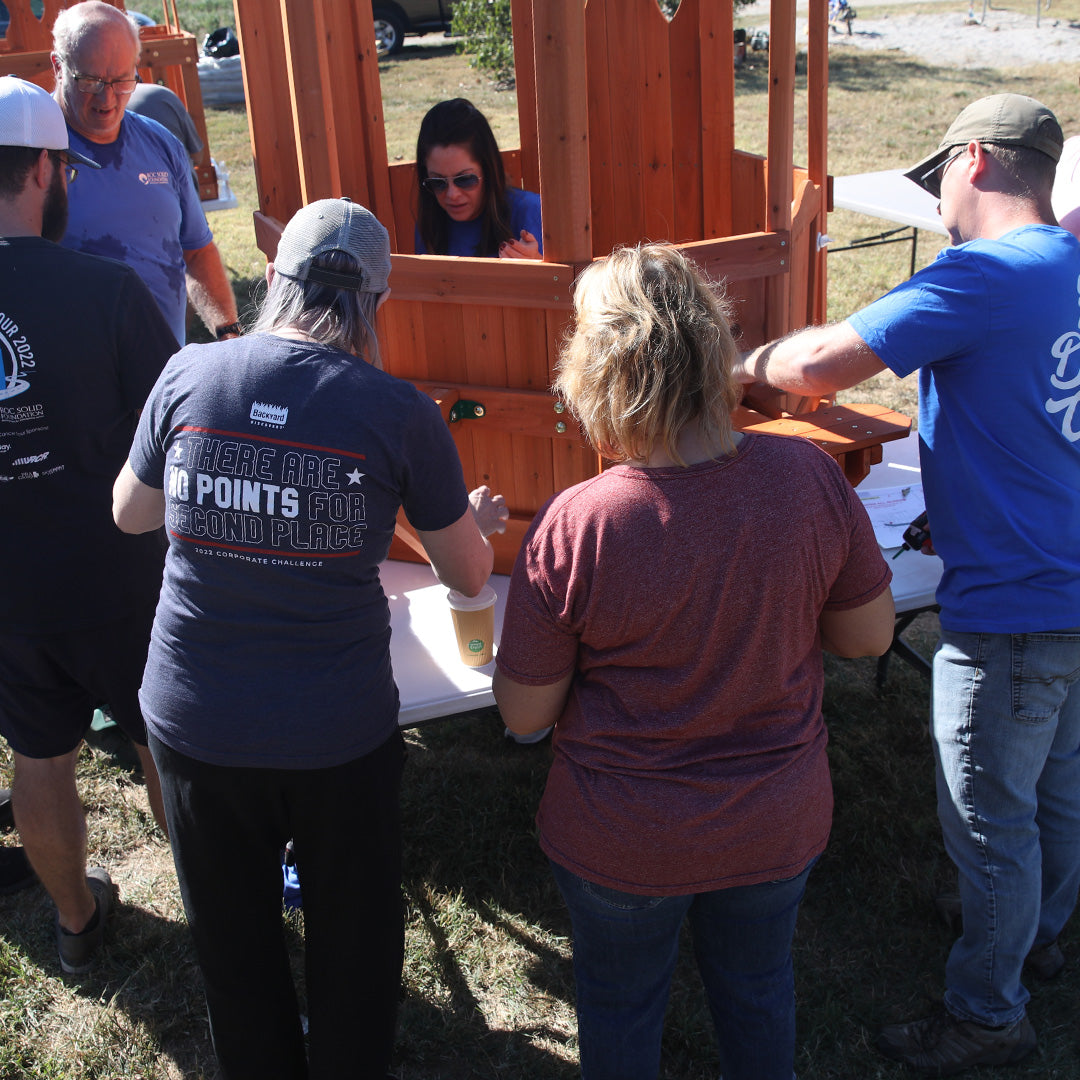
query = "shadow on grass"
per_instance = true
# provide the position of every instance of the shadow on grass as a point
(147, 974)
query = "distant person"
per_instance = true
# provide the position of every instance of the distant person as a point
(991, 327)
(82, 343)
(465, 205)
(143, 207)
(280, 461)
(668, 617)
(161, 104)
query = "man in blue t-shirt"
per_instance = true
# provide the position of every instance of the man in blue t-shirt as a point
(142, 207)
(992, 328)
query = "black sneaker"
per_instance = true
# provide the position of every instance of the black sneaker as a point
(7, 815)
(79, 951)
(15, 870)
(943, 1044)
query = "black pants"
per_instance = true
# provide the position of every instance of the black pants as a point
(228, 827)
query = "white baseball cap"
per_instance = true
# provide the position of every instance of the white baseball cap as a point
(29, 116)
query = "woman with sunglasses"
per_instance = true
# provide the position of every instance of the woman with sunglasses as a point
(465, 205)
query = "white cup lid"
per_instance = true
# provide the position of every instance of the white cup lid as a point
(460, 602)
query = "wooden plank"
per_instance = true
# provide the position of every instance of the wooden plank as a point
(35, 67)
(778, 175)
(269, 108)
(747, 299)
(27, 32)
(739, 258)
(601, 151)
(486, 363)
(405, 351)
(686, 122)
(747, 193)
(531, 413)
(454, 280)
(656, 126)
(817, 120)
(267, 233)
(345, 105)
(720, 185)
(373, 155)
(403, 196)
(624, 71)
(528, 366)
(526, 348)
(444, 341)
(562, 128)
(307, 70)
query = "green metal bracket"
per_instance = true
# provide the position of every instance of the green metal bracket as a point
(466, 410)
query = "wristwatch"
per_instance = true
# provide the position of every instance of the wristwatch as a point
(230, 330)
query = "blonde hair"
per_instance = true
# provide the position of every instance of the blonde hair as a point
(651, 354)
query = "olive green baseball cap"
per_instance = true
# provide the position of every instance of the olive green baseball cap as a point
(1001, 119)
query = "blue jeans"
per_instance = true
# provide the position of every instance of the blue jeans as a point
(625, 947)
(1006, 729)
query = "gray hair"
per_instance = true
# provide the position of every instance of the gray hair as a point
(341, 318)
(77, 23)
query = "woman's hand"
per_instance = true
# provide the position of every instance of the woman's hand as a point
(489, 511)
(528, 247)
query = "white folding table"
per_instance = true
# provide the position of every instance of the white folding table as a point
(891, 196)
(431, 679)
(433, 682)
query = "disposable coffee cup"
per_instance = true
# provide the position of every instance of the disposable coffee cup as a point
(474, 624)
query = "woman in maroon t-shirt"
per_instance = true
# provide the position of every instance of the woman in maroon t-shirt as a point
(668, 617)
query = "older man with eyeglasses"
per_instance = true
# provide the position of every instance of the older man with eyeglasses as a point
(992, 328)
(143, 207)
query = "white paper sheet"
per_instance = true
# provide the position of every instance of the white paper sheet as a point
(892, 510)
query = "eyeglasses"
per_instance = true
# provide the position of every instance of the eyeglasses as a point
(438, 185)
(69, 170)
(91, 84)
(931, 179)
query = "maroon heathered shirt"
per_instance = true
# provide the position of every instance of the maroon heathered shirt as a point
(691, 753)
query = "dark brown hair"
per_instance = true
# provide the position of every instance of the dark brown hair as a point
(458, 122)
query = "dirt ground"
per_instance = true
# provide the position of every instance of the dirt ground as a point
(958, 36)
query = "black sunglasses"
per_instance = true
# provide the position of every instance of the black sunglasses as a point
(931, 179)
(437, 185)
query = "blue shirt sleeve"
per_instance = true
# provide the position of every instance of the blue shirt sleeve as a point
(932, 316)
(525, 214)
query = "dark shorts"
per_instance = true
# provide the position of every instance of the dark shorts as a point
(50, 684)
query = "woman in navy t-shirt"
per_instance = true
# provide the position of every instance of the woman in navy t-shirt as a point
(465, 206)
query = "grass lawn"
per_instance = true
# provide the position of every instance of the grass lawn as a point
(488, 990)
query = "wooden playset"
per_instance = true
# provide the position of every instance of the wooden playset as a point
(627, 131)
(170, 56)
(627, 125)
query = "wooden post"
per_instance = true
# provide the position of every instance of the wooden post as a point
(817, 122)
(779, 182)
(562, 121)
(269, 107)
(717, 65)
(308, 67)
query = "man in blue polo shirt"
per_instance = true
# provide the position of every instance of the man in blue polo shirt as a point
(992, 328)
(142, 208)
